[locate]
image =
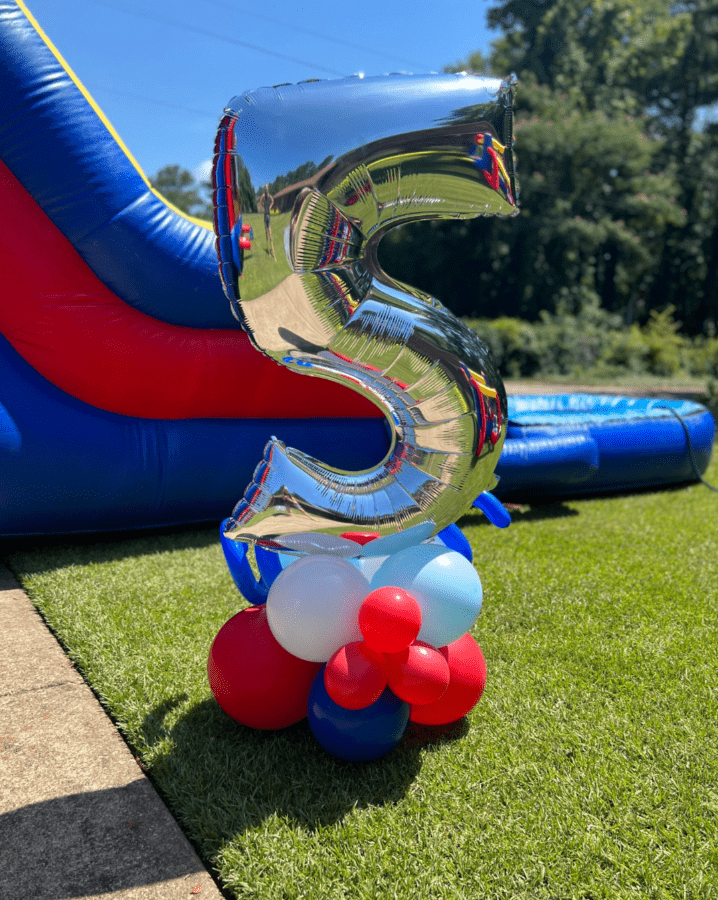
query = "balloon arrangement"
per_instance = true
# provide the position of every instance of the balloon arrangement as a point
(362, 645)
(361, 617)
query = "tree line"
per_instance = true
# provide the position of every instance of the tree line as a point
(617, 162)
(180, 188)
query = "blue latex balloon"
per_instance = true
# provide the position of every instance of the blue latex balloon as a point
(235, 554)
(444, 584)
(455, 539)
(270, 564)
(493, 509)
(356, 734)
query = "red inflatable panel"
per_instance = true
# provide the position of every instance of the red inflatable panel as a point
(81, 337)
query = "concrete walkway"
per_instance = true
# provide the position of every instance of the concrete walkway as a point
(78, 818)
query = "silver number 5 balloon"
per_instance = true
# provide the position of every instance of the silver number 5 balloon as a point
(347, 160)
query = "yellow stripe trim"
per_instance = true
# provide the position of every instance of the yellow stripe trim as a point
(482, 386)
(501, 149)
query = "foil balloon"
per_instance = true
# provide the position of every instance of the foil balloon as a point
(347, 160)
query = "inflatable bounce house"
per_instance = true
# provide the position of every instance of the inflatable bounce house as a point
(130, 397)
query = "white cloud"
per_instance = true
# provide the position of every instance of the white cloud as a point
(203, 172)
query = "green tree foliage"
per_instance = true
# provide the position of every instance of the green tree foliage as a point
(594, 210)
(610, 55)
(180, 188)
(246, 194)
(656, 60)
(618, 174)
(596, 343)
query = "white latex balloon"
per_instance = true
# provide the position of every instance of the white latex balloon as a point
(313, 605)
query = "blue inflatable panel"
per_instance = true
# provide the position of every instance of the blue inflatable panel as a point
(570, 444)
(147, 252)
(551, 461)
(69, 467)
(68, 160)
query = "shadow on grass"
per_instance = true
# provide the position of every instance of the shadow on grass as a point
(553, 507)
(221, 779)
(522, 512)
(539, 509)
(44, 553)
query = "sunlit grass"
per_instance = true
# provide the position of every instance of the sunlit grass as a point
(262, 271)
(588, 770)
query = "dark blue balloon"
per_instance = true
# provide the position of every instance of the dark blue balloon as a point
(356, 734)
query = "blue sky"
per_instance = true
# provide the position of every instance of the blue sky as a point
(163, 70)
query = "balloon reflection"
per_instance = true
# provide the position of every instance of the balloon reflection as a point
(390, 150)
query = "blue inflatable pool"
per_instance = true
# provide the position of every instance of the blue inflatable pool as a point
(569, 444)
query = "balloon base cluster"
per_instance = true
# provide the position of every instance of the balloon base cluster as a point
(360, 645)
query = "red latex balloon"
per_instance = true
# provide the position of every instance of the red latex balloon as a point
(354, 677)
(389, 619)
(253, 678)
(419, 674)
(466, 685)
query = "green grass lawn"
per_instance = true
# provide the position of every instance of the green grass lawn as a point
(588, 770)
(263, 272)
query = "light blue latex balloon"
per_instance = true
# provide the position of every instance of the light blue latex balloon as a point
(445, 585)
